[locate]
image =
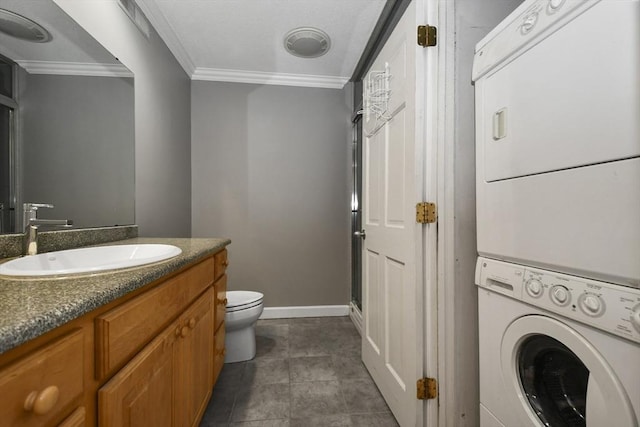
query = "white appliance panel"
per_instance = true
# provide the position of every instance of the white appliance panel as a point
(612, 354)
(570, 100)
(582, 221)
(558, 139)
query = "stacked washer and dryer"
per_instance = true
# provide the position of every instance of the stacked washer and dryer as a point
(558, 215)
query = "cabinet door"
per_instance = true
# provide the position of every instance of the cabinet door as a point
(220, 287)
(218, 352)
(193, 361)
(141, 393)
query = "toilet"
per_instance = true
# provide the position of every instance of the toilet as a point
(243, 310)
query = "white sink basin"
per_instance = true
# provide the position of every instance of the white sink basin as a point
(88, 260)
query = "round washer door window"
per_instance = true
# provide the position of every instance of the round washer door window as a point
(558, 378)
(554, 381)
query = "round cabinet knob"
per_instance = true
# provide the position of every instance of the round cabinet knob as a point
(529, 22)
(42, 402)
(635, 317)
(534, 288)
(591, 305)
(225, 263)
(184, 331)
(192, 323)
(560, 295)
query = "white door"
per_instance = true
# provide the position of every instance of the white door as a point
(392, 343)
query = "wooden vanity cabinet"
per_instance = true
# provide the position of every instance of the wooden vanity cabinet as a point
(123, 331)
(150, 358)
(169, 381)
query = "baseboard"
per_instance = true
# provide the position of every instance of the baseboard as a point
(356, 317)
(305, 311)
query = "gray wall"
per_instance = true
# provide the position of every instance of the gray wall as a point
(78, 147)
(268, 167)
(473, 20)
(162, 116)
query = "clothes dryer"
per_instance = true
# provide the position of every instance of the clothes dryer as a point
(556, 350)
(558, 138)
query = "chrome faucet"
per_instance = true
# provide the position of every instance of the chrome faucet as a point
(31, 224)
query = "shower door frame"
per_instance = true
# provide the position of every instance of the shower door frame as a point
(11, 104)
(356, 218)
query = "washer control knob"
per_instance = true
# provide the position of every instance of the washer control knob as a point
(635, 317)
(534, 288)
(591, 304)
(529, 22)
(555, 4)
(560, 295)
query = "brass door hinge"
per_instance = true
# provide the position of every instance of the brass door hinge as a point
(426, 213)
(427, 388)
(427, 35)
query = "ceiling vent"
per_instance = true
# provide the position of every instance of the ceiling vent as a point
(307, 42)
(22, 28)
(137, 17)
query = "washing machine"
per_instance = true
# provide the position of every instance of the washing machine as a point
(556, 350)
(558, 138)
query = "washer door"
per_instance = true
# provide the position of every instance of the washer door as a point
(559, 379)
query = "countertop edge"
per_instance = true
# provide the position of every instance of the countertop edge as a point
(32, 318)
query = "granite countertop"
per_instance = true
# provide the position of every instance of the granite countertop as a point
(34, 306)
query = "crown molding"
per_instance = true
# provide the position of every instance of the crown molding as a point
(166, 33)
(280, 79)
(75, 69)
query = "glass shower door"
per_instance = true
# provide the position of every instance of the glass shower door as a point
(356, 214)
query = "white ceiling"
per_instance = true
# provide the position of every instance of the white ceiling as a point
(72, 51)
(242, 40)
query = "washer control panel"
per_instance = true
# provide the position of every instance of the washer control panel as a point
(609, 307)
(523, 27)
(612, 308)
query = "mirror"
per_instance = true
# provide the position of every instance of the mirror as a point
(66, 121)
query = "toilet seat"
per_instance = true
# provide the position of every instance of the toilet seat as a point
(243, 300)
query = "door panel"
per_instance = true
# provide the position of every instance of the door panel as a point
(396, 195)
(372, 316)
(373, 176)
(395, 303)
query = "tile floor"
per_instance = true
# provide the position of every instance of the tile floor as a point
(307, 372)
